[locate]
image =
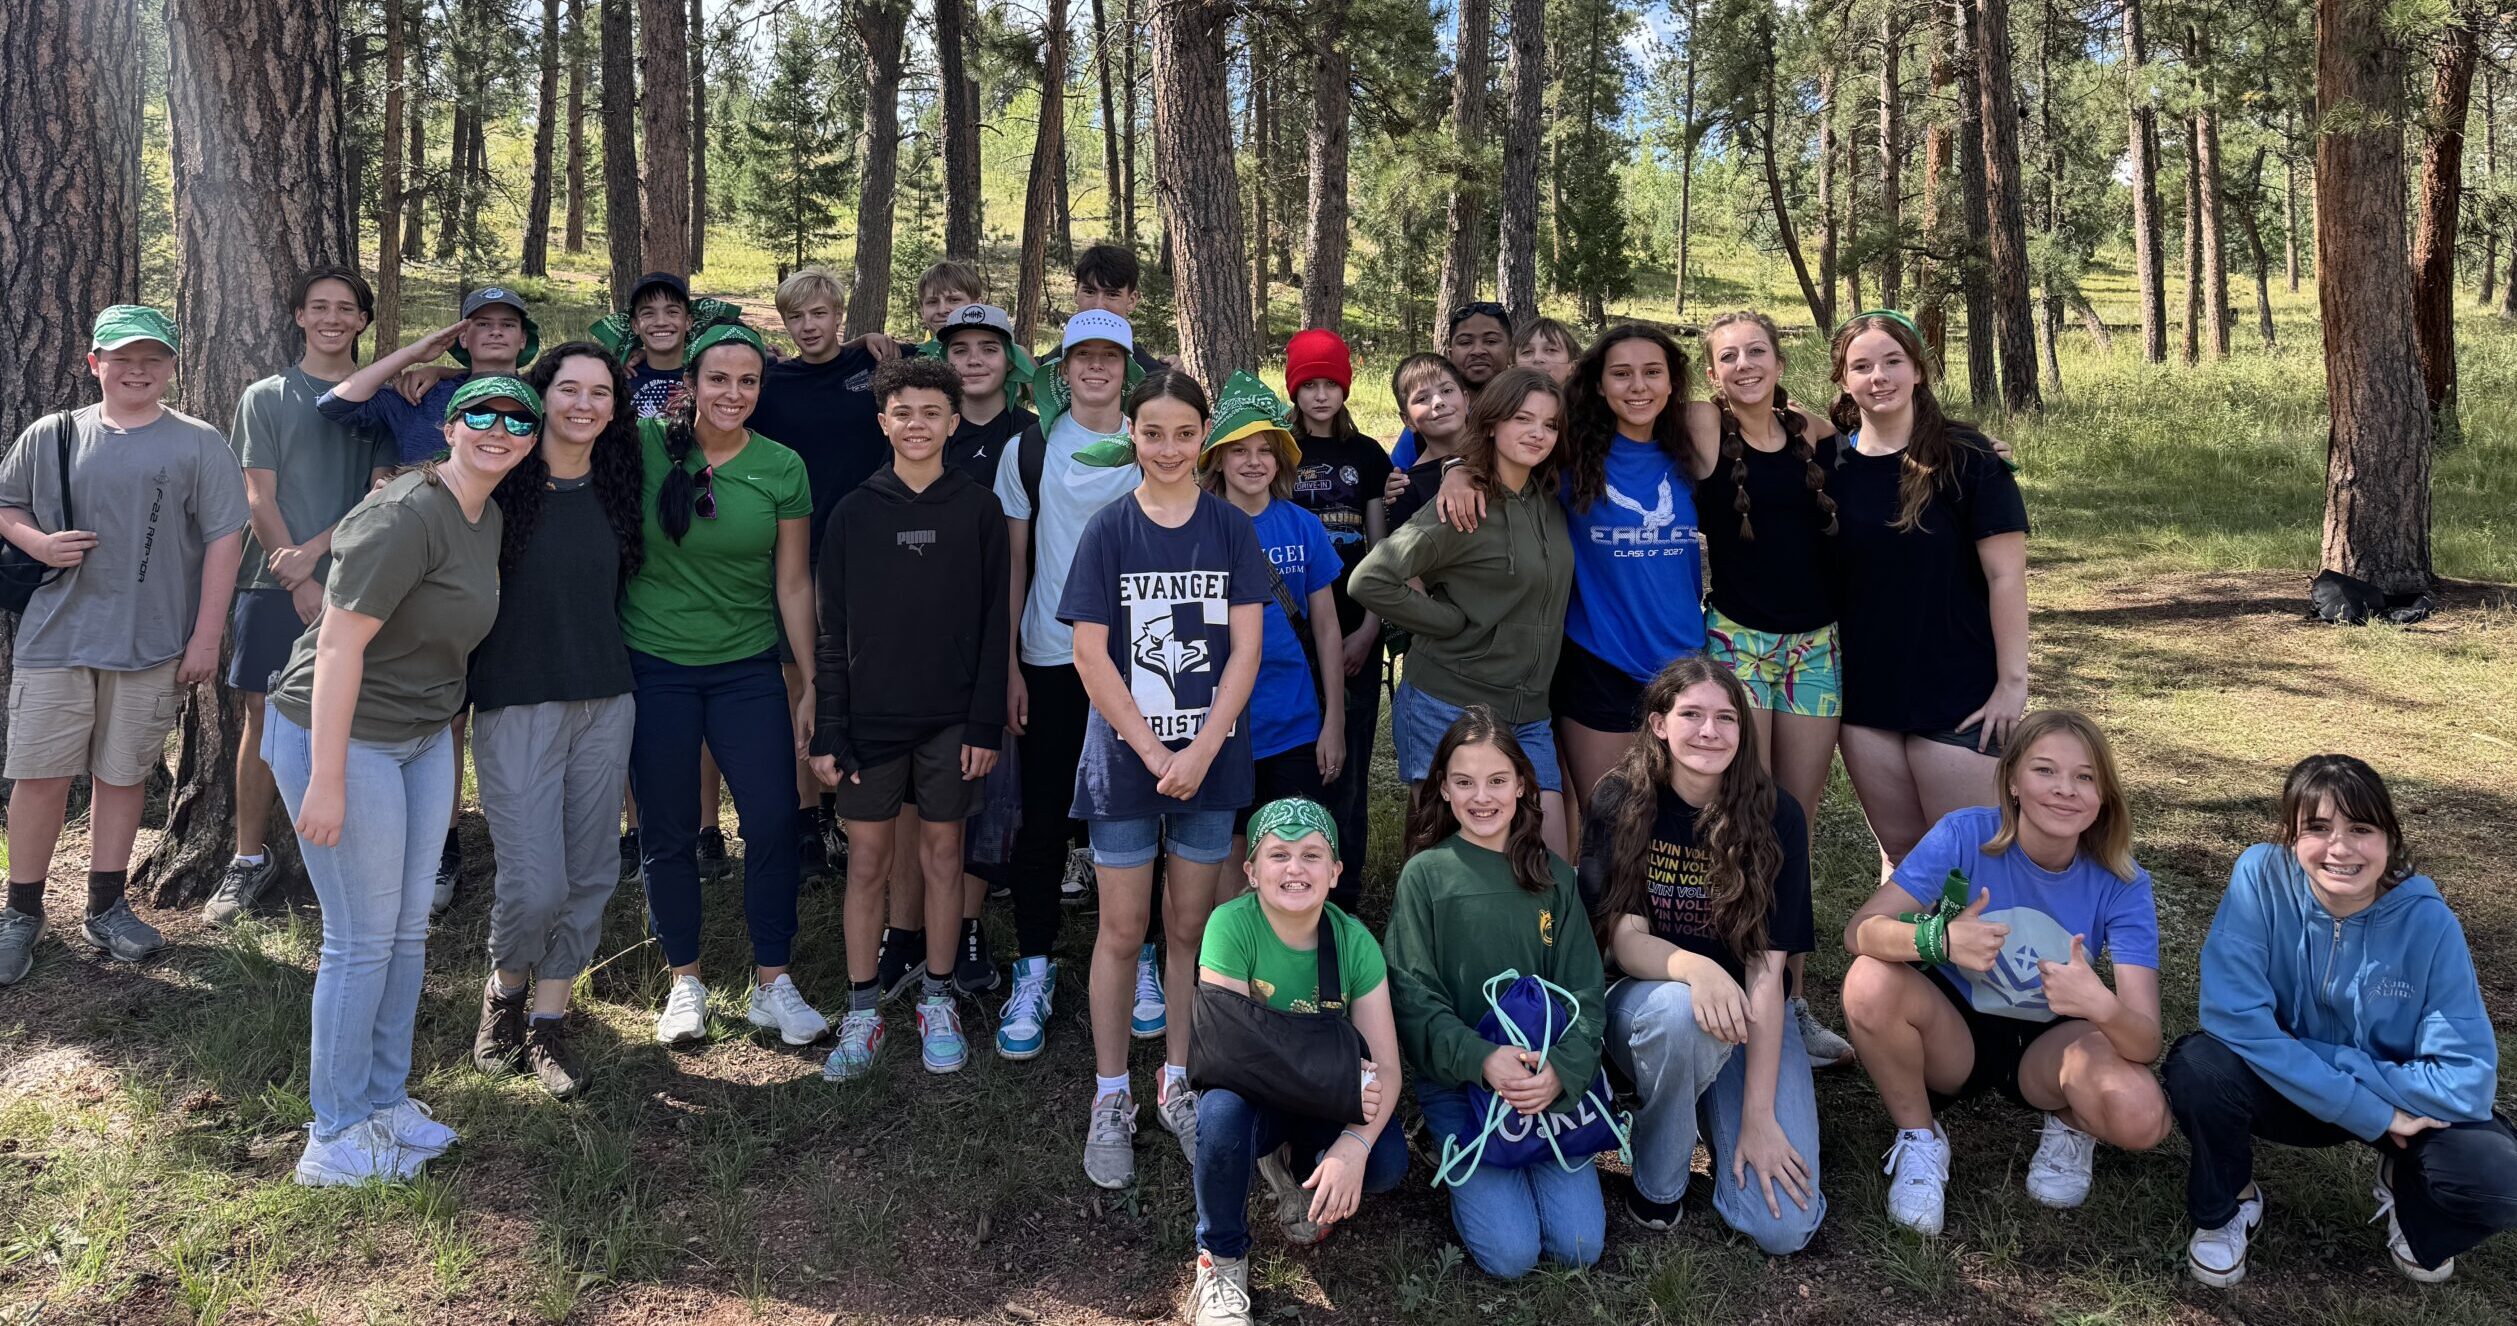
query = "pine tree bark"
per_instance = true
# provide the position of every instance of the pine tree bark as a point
(698, 136)
(2006, 216)
(1109, 117)
(1933, 315)
(1525, 75)
(2377, 465)
(1325, 220)
(1198, 188)
(2149, 272)
(1048, 165)
(2490, 171)
(2215, 248)
(962, 219)
(1463, 224)
(664, 127)
(415, 120)
(251, 212)
(575, 241)
(881, 26)
(462, 63)
(1830, 219)
(621, 209)
(1262, 124)
(1818, 302)
(2192, 349)
(388, 326)
(1686, 161)
(537, 208)
(1891, 157)
(70, 194)
(1983, 382)
(2249, 221)
(2434, 235)
(1127, 124)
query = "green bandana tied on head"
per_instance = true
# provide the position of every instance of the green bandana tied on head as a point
(475, 390)
(1892, 315)
(614, 333)
(722, 333)
(1292, 820)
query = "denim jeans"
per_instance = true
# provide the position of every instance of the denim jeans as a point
(1349, 799)
(1232, 1133)
(2454, 1186)
(375, 886)
(740, 709)
(1510, 1218)
(1678, 1072)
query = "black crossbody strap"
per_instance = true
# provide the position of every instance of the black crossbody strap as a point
(1332, 992)
(63, 434)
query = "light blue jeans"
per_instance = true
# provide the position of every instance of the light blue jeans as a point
(375, 887)
(1510, 1218)
(1677, 1071)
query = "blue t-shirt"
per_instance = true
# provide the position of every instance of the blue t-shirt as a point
(1638, 564)
(1166, 596)
(419, 431)
(2043, 908)
(1285, 706)
(1403, 451)
(650, 387)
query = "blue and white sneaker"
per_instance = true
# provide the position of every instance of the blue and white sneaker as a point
(1022, 1027)
(1151, 1017)
(860, 1039)
(940, 1044)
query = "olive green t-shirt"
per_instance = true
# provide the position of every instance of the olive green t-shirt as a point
(1241, 944)
(713, 597)
(405, 556)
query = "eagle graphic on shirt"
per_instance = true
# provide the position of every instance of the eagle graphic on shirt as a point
(1172, 659)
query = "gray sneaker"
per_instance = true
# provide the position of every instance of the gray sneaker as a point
(1819, 1041)
(1110, 1142)
(19, 933)
(238, 889)
(123, 935)
(1293, 1201)
(1175, 1108)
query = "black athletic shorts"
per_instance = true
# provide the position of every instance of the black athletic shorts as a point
(1593, 692)
(2000, 1043)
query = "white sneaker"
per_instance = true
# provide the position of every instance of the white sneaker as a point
(780, 1007)
(415, 1129)
(1110, 1141)
(2412, 1270)
(364, 1152)
(2217, 1257)
(1220, 1296)
(1151, 1016)
(685, 1016)
(1918, 1193)
(2059, 1175)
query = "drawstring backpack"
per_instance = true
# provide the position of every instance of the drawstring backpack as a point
(1509, 1139)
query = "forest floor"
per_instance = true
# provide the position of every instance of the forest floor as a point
(150, 1115)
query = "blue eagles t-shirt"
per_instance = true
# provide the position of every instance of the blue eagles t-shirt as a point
(419, 431)
(1166, 596)
(2043, 908)
(1638, 564)
(1285, 706)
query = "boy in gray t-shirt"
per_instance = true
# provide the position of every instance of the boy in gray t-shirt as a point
(106, 650)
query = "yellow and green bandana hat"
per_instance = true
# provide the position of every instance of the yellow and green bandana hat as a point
(1249, 408)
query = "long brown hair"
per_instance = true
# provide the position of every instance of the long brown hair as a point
(1931, 449)
(1736, 831)
(1502, 397)
(1734, 443)
(2108, 839)
(1429, 817)
(1590, 426)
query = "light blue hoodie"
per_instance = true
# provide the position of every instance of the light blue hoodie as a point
(2351, 1018)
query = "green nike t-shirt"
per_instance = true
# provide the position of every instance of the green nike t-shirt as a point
(713, 597)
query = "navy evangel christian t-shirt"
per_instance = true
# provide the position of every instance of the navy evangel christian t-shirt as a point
(1166, 596)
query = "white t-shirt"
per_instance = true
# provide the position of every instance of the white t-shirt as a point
(1070, 494)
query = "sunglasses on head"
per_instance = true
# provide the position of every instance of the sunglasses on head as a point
(1482, 308)
(704, 504)
(519, 423)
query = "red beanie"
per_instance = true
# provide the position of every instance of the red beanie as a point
(1318, 353)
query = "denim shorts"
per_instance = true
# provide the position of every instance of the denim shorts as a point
(1200, 836)
(1418, 721)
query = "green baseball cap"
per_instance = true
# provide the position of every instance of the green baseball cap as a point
(122, 324)
(1292, 820)
(475, 390)
(1249, 408)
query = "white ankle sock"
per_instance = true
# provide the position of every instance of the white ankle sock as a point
(1103, 1086)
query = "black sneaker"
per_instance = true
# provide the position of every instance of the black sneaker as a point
(1648, 1213)
(901, 964)
(632, 869)
(713, 862)
(549, 1058)
(449, 876)
(499, 1042)
(974, 973)
(812, 851)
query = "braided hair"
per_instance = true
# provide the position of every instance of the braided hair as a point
(676, 501)
(1734, 441)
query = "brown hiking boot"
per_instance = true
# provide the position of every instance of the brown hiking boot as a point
(498, 1045)
(552, 1062)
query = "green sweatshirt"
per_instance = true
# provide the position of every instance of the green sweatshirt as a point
(1490, 618)
(1459, 918)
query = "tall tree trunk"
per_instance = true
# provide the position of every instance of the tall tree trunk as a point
(1261, 124)
(1818, 302)
(388, 327)
(2434, 236)
(2215, 248)
(2247, 217)
(1686, 160)
(2490, 172)
(1891, 157)
(2149, 271)
(462, 62)
(1933, 321)
(575, 241)
(1525, 74)
(69, 194)
(1128, 41)
(2290, 199)
(1325, 221)
(1852, 179)
(698, 137)
(664, 127)
(2508, 288)
(621, 209)
(1830, 220)
(2005, 217)
(1463, 223)
(2377, 466)
(2193, 240)
(1048, 162)
(1983, 382)
(1198, 189)
(537, 208)
(1109, 117)
(251, 212)
(881, 26)
(415, 122)
(962, 229)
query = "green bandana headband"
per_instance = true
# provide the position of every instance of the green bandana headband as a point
(1292, 820)
(722, 333)
(613, 332)
(1890, 314)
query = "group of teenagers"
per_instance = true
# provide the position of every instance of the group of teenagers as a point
(933, 608)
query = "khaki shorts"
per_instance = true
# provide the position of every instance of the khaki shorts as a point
(112, 726)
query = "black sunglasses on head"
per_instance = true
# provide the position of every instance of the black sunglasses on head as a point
(1482, 308)
(705, 504)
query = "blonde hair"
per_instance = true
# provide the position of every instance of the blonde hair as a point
(1210, 470)
(807, 285)
(2108, 839)
(953, 274)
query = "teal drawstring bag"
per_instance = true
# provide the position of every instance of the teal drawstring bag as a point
(1531, 1013)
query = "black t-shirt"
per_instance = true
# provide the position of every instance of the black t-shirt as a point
(1424, 483)
(1678, 898)
(1338, 477)
(651, 387)
(1779, 581)
(1917, 621)
(558, 635)
(977, 449)
(824, 414)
